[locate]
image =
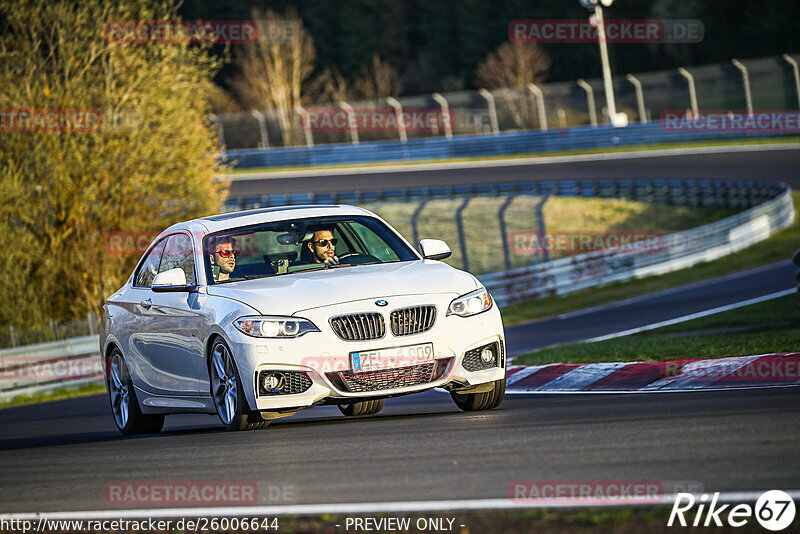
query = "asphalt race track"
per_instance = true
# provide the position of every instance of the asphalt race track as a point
(782, 165)
(60, 456)
(657, 307)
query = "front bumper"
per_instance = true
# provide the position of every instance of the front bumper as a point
(324, 359)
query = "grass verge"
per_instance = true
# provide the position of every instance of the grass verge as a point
(778, 247)
(576, 152)
(57, 394)
(765, 327)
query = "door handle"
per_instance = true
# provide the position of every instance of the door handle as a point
(146, 304)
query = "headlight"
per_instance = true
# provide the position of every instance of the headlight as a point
(276, 327)
(471, 303)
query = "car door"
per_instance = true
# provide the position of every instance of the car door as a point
(170, 328)
(139, 302)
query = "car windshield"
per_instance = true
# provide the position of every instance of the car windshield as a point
(286, 247)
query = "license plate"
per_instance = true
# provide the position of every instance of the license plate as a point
(392, 358)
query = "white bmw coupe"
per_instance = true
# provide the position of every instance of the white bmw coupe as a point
(255, 315)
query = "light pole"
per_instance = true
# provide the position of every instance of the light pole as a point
(596, 8)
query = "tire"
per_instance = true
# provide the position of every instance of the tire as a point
(368, 407)
(471, 402)
(125, 407)
(227, 391)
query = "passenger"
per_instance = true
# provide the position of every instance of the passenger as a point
(224, 257)
(323, 247)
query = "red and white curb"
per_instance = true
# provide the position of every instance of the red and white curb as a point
(678, 375)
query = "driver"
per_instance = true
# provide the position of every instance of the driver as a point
(323, 247)
(224, 257)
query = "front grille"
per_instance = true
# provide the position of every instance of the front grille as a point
(359, 326)
(389, 378)
(294, 382)
(472, 358)
(413, 320)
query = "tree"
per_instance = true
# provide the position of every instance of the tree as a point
(515, 66)
(275, 69)
(329, 87)
(144, 161)
(377, 81)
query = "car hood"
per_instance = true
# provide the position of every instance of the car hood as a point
(292, 293)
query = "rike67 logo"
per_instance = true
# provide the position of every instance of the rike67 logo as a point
(774, 510)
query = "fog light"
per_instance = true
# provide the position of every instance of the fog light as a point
(487, 355)
(271, 382)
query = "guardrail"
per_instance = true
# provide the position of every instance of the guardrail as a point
(47, 366)
(677, 251)
(464, 146)
(32, 369)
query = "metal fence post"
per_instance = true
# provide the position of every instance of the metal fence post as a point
(541, 229)
(300, 110)
(352, 124)
(13, 332)
(539, 96)
(398, 113)
(589, 100)
(692, 92)
(748, 98)
(501, 215)
(489, 97)
(442, 101)
(414, 217)
(462, 241)
(262, 127)
(637, 87)
(792, 63)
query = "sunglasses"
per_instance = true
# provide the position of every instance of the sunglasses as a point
(324, 242)
(227, 253)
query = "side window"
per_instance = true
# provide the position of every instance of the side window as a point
(342, 247)
(178, 253)
(149, 268)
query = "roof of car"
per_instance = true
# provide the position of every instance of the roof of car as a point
(214, 223)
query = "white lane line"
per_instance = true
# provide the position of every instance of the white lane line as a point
(701, 374)
(672, 290)
(581, 377)
(509, 162)
(519, 375)
(691, 316)
(374, 507)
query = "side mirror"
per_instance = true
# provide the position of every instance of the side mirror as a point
(434, 249)
(172, 280)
